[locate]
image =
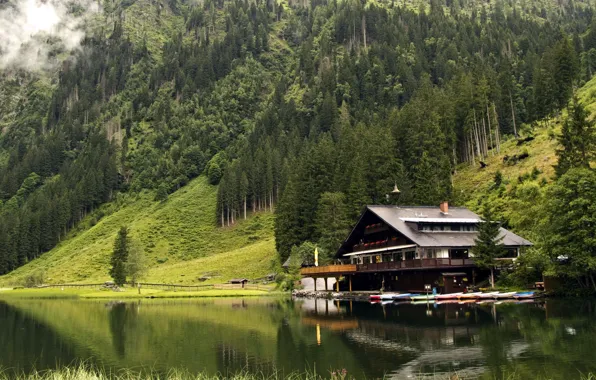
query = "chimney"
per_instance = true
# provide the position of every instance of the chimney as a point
(444, 206)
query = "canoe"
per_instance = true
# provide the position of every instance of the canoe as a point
(469, 295)
(505, 295)
(523, 295)
(423, 302)
(375, 297)
(447, 296)
(446, 301)
(402, 296)
(387, 296)
(489, 295)
(422, 297)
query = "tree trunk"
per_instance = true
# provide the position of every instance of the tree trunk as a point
(245, 207)
(513, 114)
(364, 30)
(490, 132)
(492, 277)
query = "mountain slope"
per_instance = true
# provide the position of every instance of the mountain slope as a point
(180, 237)
(518, 198)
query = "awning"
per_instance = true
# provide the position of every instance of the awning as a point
(394, 248)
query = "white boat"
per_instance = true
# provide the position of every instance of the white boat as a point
(447, 296)
(489, 295)
(469, 295)
(504, 295)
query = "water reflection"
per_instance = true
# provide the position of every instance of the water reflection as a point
(551, 337)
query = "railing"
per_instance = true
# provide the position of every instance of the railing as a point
(391, 265)
(328, 269)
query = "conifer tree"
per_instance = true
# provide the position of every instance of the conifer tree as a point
(488, 244)
(120, 257)
(577, 140)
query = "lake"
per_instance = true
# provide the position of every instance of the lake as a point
(549, 337)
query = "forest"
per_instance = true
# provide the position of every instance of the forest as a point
(310, 110)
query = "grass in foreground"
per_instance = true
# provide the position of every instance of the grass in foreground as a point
(84, 372)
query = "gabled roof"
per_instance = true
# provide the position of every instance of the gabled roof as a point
(399, 217)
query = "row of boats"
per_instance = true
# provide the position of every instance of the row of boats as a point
(457, 297)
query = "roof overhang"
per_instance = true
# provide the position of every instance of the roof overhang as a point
(441, 220)
(378, 250)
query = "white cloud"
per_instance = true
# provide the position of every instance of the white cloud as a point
(28, 26)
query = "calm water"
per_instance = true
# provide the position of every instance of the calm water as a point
(553, 337)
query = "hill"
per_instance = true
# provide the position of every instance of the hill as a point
(180, 237)
(310, 108)
(518, 196)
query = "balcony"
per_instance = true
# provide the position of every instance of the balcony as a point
(331, 270)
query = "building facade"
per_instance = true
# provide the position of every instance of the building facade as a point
(406, 248)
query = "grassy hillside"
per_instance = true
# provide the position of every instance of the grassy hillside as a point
(179, 236)
(524, 181)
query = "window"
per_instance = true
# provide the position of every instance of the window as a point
(410, 255)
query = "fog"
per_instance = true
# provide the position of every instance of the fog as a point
(31, 31)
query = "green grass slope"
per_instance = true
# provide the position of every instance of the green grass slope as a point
(523, 182)
(179, 237)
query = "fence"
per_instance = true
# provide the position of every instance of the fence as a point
(172, 287)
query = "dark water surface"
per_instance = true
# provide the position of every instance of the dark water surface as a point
(554, 338)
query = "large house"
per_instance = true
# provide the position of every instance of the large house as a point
(407, 248)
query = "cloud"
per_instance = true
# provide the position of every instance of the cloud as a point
(33, 31)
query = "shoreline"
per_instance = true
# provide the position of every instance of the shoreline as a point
(130, 293)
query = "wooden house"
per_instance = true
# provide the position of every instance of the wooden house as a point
(405, 248)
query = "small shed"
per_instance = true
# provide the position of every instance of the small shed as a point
(454, 282)
(241, 281)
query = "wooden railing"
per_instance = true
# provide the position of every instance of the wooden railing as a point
(329, 269)
(391, 265)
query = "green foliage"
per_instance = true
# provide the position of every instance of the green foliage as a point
(161, 194)
(332, 223)
(34, 279)
(136, 263)
(119, 257)
(578, 140)
(488, 245)
(569, 225)
(277, 104)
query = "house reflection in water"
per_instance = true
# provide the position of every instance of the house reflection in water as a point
(416, 339)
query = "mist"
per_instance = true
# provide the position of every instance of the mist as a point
(32, 32)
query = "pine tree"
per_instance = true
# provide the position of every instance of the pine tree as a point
(577, 139)
(488, 245)
(332, 222)
(120, 257)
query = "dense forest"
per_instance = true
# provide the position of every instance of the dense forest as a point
(307, 109)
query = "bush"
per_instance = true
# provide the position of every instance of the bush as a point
(34, 279)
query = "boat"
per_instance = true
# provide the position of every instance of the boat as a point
(489, 295)
(523, 295)
(402, 296)
(504, 295)
(446, 301)
(469, 295)
(447, 296)
(423, 297)
(375, 297)
(423, 302)
(387, 296)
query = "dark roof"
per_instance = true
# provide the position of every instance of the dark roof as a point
(396, 217)
(238, 280)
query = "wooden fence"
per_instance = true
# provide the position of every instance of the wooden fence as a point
(172, 287)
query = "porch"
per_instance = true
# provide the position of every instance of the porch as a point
(402, 265)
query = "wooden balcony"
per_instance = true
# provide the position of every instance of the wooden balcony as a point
(333, 270)
(328, 270)
(415, 264)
